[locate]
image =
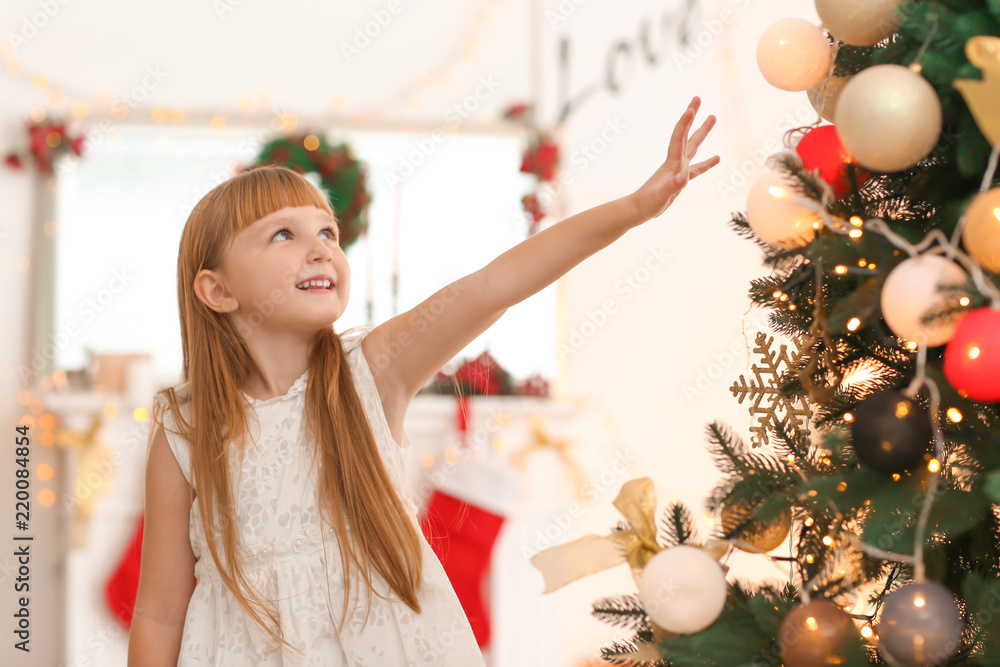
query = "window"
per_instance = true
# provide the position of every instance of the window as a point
(122, 208)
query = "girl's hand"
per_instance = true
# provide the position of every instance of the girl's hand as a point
(659, 192)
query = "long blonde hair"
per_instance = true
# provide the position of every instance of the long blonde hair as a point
(355, 489)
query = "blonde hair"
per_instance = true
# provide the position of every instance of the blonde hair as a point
(355, 489)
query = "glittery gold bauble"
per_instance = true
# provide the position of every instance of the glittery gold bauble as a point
(817, 634)
(981, 234)
(764, 537)
(823, 96)
(859, 22)
(889, 118)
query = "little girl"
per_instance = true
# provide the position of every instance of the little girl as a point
(258, 553)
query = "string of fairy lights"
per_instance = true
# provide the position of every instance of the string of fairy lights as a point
(82, 105)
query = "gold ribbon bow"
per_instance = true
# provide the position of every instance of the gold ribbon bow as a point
(566, 563)
(636, 545)
(542, 441)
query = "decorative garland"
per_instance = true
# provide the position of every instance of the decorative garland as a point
(47, 142)
(540, 160)
(343, 177)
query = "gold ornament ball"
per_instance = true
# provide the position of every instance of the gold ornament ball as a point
(823, 96)
(859, 22)
(816, 634)
(981, 234)
(763, 536)
(889, 118)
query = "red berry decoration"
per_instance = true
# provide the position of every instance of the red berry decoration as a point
(891, 433)
(822, 149)
(972, 356)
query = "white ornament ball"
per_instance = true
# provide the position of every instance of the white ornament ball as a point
(911, 291)
(793, 54)
(774, 214)
(888, 117)
(683, 589)
(859, 22)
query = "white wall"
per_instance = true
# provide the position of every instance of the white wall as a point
(680, 322)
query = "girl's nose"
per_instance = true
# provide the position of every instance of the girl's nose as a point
(320, 252)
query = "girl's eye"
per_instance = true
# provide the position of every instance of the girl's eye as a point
(333, 232)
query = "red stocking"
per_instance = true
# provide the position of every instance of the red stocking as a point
(123, 584)
(462, 535)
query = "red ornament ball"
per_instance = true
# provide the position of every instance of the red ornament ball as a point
(822, 149)
(972, 356)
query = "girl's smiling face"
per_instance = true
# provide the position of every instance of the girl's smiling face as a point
(272, 256)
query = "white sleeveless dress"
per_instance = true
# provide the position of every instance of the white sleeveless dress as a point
(279, 528)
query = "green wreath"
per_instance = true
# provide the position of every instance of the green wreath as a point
(341, 175)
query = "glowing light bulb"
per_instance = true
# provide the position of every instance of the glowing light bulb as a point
(933, 465)
(853, 324)
(955, 415)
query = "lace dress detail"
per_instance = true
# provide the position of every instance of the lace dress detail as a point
(287, 556)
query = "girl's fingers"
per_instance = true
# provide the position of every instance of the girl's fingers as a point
(699, 136)
(703, 166)
(679, 138)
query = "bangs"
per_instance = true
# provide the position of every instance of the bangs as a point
(262, 190)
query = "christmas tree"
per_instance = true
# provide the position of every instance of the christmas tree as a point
(877, 450)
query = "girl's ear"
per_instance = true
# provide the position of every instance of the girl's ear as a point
(211, 289)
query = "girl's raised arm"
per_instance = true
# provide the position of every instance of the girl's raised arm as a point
(166, 573)
(411, 347)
